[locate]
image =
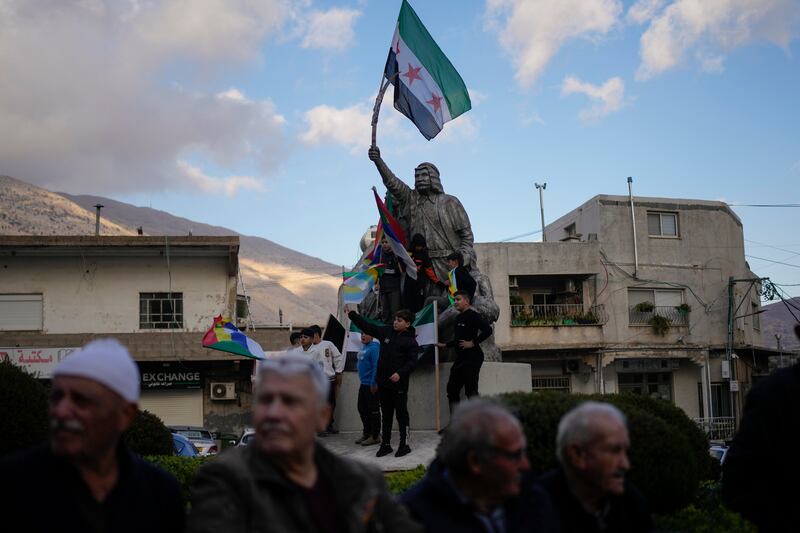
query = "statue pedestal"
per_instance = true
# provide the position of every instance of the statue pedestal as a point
(496, 378)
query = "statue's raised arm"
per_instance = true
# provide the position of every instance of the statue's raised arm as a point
(395, 185)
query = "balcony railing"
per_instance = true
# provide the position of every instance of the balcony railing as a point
(718, 427)
(558, 315)
(676, 316)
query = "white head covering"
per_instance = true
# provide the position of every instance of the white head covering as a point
(106, 361)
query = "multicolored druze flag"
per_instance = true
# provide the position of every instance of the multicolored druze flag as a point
(356, 285)
(226, 337)
(396, 237)
(427, 88)
(425, 325)
(453, 287)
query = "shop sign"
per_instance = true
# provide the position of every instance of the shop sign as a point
(167, 378)
(39, 362)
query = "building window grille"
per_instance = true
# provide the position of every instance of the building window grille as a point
(652, 384)
(160, 310)
(662, 224)
(551, 383)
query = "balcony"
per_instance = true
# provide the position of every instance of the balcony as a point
(557, 315)
(640, 315)
(717, 428)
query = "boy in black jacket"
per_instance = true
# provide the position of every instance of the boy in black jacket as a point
(464, 280)
(396, 363)
(470, 331)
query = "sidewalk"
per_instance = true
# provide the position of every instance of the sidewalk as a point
(423, 448)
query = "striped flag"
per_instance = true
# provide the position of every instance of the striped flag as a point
(226, 337)
(425, 325)
(395, 235)
(356, 285)
(427, 88)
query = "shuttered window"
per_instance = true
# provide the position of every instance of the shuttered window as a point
(21, 312)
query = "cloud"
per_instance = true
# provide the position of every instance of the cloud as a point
(477, 97)
(329, 30)
(713, 27)
(608, 98)
(532, 118)
(532, 31)
(644, 11)
(229, 185)
(349, 126)
(91, 103)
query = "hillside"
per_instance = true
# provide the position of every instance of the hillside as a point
(275, 277)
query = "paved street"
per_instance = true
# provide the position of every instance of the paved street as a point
(423, 448)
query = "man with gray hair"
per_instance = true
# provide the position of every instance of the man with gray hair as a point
(97, 484)
(478, 481)
(590, 490)
(284, 480)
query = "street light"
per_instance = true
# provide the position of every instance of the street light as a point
(541, 188)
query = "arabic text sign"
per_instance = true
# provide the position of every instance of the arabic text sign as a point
(37, 361)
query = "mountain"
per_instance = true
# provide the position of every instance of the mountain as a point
(275, 277)
(777, 319)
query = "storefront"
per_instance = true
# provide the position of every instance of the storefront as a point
(172, 392)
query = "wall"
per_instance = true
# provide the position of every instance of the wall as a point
(495, 378)
(101, 294)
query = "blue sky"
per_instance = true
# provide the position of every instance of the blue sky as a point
(255, 115)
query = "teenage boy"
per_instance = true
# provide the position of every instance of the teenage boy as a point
(398, 356)
(333, 366)
(464, 280)
(368, 402)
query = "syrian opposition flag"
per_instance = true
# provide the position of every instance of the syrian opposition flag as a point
(427, 88)
(425, 325)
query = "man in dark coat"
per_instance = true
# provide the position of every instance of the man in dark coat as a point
(398, 357)
(590, 490)
(478, 481)
(761, 470)
(470, 331)
(284, 480)
(94, 483)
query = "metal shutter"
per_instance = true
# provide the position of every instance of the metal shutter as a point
(21, 312)
(174, 407)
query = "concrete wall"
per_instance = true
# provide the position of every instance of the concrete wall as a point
(101, 294)
(495, 378)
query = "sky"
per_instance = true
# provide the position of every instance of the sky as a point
(255, 114)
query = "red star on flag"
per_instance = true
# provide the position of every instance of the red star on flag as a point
(435, 101)
(413, 74)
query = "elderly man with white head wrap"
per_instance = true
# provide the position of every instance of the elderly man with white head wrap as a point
(92, 482)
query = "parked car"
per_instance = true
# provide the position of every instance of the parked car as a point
(183, 446)
(718, 452)
(247, 436)
(200, 437)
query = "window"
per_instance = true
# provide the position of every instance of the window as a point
(756, 316)
(161, 310)
(21, 312)
(653, 384)
(657, 297)
(551, 383)
(720, 399)
(662, 224)
(571, 231)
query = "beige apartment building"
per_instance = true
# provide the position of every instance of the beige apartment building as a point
(593, 312)
(157, 295)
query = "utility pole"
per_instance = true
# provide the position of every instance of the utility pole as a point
(633, 225)
(541, 188)
(97, 208)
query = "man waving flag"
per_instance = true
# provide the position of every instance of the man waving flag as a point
(427, 88)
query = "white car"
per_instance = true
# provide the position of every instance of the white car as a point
(247, 436)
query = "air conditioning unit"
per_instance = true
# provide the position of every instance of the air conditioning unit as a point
(572, 366)
(223, 391)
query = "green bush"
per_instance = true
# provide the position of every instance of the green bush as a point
(666, 461)
(400, 482)
(23, 409)
(183, 468)
(149, 436)
(706, 515)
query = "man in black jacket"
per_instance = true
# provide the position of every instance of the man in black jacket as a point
(96, 483)
(590, 490)
(471, 330)
(478, 481)
(397, 360)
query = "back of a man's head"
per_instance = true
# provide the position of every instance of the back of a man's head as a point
(472, 432)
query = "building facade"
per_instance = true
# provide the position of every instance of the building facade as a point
(157, 295)
(594, 312)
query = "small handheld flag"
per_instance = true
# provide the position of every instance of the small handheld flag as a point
(226, 337)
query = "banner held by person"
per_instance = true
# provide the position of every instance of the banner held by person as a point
(427, 88)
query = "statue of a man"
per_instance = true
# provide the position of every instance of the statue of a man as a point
(427, 210)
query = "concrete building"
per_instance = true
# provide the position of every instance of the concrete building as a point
(593, 312)
(157, 295)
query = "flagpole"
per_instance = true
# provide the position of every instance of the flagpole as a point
(377, 108)
(436, 362)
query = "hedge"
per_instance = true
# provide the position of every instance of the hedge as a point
(667, 457)
(183, 468)
(149, 436)
(23, 409)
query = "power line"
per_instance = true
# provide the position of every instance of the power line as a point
(772, 261)
(520, 236)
